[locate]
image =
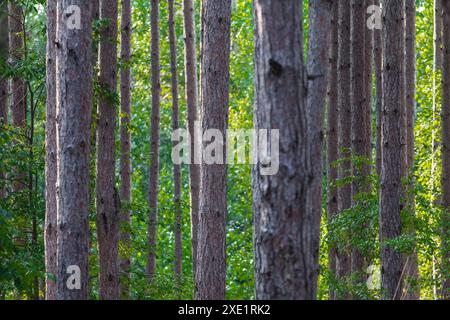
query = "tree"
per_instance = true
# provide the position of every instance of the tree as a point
(286, 233)
(73, 109)
(378, 64)
(154, 140)
(345, 119)
(446, 153)
(391, 150)
(333, 136)
(18, 86)
(359, 114)
(125, 150)
(215, 75)
(107, 198)
(175, 126)
(192, 101)
(51, 171)
(413, 293)
(317, 70)
(4, 48)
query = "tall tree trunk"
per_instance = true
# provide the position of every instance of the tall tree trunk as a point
(378, 63)
(345, 119)
(446, 153)
(391, 161)
(4, 53)
(286, 232)
(359, 120)
(107, 197)
(18, 86)
(125, 151)
(211, 263)
(175, 126)
(4, 48)
(333, 136)
(74, 105)
(51, 171)
(413, 292)
(192, 101)
(317, 69)
(154, 142)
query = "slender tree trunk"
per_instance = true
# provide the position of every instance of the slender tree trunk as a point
(413, 292)
(317, 68)
(391, 184)
(378, 63)
(333, 136)
(211, 268)
(107, 197)
(125, 151)
(175, 126)
(359, 119)
(192, 101)
(345, 119)
(446, 153)
(18, 86)
(51, 170)
(74, 104)
(154, 142)
(4, 48)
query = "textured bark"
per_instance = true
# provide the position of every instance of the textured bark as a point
(286, 234)
(333, 136)
(317, 68)
(345, 119)
(125, 151)
(211, 263)
(4, 48)
(413, 291)
(438, 33)
(16, 47)
(107, 198)
(154, 142)
(359, 115)
(192, 101)
(51, 170)
(446, 154)
(175, 126)
(391, 184)
(378, 63)
(74, 105)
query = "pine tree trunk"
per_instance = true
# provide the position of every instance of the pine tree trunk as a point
(211, 268)
(446, 153)
(175, 126)
(107, 202)
(378, 63)
(413, 291)
(286, 233)
(192, 102)
(345, 119)
(125, 151)
(74, 105)
(18, 86)
(391, 161)
(154, 142)
(51, 170)
(359, 120)
(333, 136)
(318, 64)
(4, 48)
